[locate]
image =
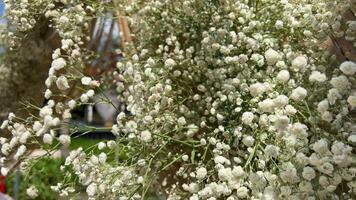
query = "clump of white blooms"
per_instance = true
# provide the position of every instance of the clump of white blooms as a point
(225, 99)
(32, 192)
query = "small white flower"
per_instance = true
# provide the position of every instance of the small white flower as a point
(280, 101)
(321, 146)
(102, 157)
(47, 138)
(72, 104)
(91, 189)
(266, 105)
(281, 123)
(169, 63)
(85, 80)
(62, 83)
(247, 118)
(348, 67)
(316, 76)
(84, 98)
(20, 152)
(48, 94)
(279, 24)
(181, 121)
(64, 139)
(272, 56)
(257, 89)
(225, 174)
(248, 140)
(283, 76)
(58, 63)
(341, 83)
(90, 93)
(32, 192)
(185, 158)
(299, 94)
(4, 124)
(201, 173)
(146, 136)
(101, 145)
(299, 63)
(352, 101)
(323, 106)
(4, 171)
(111, 144)
(192, 129)
(272, 151)
(308, 173)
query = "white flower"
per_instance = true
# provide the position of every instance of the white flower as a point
(266, 105)
(4, 171)
(24, 136)
(90, 93)
(48, 94)
(62, 83)
(192, 129)
(348, 67)
(290, 110)
(64, 139)
(308, 173)
(146, 136)
(58, 63)
(91, 189)
(248, 140)
(225, 174)
(247, 118)
(257, 89)
(181, 121)
(101, 145)
(201, 173)
(352, 101)
(333, 95)
(169, 63)
(185, 158)
(272, 151)
(102, 158)
(341, 83)
(72, 104)
(20, 152)
(321, 146)
(84, 98)
(283, 76)
(4, 124)
(111, 144)
(281, 122)
(299, 63)
(316, 76)
(298, 94)
(272, 56)
(32, 192)
(323, 106)
(46, 111)
(242, 192)
(352, 138)
(279, 24)
(85, 80)
(280, 101)
(47, 138)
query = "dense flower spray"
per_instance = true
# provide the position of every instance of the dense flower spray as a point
(226, 99)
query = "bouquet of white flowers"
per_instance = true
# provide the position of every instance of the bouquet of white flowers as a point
(225, 99)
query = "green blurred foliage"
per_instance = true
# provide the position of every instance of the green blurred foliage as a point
(43, 174)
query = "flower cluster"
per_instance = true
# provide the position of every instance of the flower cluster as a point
(224, 99)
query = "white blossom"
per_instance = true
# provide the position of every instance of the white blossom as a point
(62, 83)
(348, 68)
